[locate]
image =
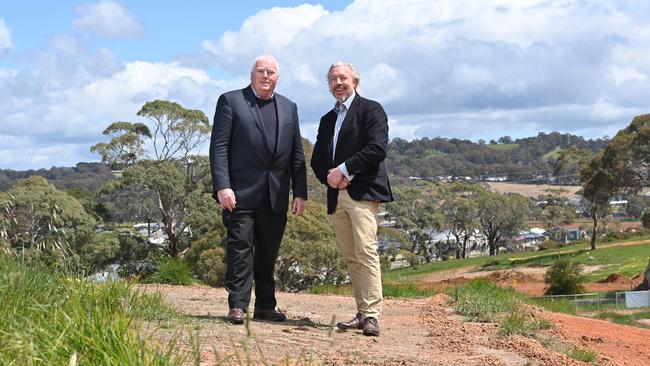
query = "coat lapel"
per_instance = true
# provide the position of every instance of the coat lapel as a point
(282, 128)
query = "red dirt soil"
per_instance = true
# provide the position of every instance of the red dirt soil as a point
(414, 332)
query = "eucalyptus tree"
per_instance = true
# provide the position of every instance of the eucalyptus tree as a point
(622, 167)
(40, 222)
(171, 170)
(501, 216)
(416, 210)
(460, 212)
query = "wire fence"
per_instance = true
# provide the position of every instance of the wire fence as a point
(591, 300)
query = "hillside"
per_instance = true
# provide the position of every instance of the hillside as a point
(523, 160)
(528, 159)
(423, 331)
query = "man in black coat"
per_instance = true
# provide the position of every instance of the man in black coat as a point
(256, 157)
(349, 158)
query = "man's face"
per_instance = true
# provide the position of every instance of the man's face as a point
(264, 77)
(342, 84)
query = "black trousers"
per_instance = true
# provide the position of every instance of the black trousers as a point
(253, 243)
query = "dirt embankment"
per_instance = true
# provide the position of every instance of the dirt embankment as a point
(414, 332)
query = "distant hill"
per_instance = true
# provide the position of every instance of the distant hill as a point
(525, 160)
(86, 176)
(529, 159)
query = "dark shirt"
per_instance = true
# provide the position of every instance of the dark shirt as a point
(269, 114)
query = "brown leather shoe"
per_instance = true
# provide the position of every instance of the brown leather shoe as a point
(355, 323)
(236, 316)
(370, 327)
(273, 315)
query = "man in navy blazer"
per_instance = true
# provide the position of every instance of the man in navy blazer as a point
(349, 158)
(256, 157)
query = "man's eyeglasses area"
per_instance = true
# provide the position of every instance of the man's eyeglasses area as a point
(268, 72)
(334, 79)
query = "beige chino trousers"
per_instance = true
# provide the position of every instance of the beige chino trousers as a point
(355, 227)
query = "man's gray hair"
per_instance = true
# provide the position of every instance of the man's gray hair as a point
(355, 73)
(267, 57)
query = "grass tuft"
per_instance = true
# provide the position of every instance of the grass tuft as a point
(482, 301)
(582, 354)
(49, 318)
(172, 271)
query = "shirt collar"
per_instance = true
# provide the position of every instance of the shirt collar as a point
(258, 96)
(347, 103)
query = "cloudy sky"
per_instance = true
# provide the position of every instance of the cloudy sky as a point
(453, 68)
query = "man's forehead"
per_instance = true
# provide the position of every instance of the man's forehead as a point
(266, 63)
(341, 68)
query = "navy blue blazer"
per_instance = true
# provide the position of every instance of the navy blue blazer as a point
(240, 157)
(362, 144)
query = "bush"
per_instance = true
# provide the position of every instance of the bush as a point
(211, 266)
(101, 250)
(172, 271)
(133, 247)
(198, 246)
(412, 258)
(564, 278)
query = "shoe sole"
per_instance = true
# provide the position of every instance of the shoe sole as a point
(371, 334)
(270, 320)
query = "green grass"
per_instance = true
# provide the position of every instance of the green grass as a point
(582, 354)
(502, 147)
(48, 318)
(389, 289)
(559, 306)
(626, 260)
(625, 319)
(515, 323)
(172, 271)
(553, 154)
(482, 301)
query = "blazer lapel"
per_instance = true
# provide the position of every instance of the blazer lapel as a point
(282, 128)
(330, 120)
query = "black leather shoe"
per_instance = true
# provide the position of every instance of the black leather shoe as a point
(355, 323)
(370, 327)
(236, 316)
(273, 315)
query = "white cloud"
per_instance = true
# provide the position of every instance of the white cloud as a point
(108, 18)
(56, 124)
(5, 39)
(530, 65)
(451, 68)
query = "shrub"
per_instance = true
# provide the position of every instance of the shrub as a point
(172, 271)
(211, 266)
(101, 250)
(412, 258)
(564, 278)
(133, 247)
(199, 246)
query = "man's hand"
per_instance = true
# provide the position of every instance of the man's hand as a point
(344, 184)
(334, 177)
(226, 198)
(298, 206)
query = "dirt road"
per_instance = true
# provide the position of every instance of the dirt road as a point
(414, 332)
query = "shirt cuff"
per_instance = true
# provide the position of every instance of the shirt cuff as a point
(344, 170)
